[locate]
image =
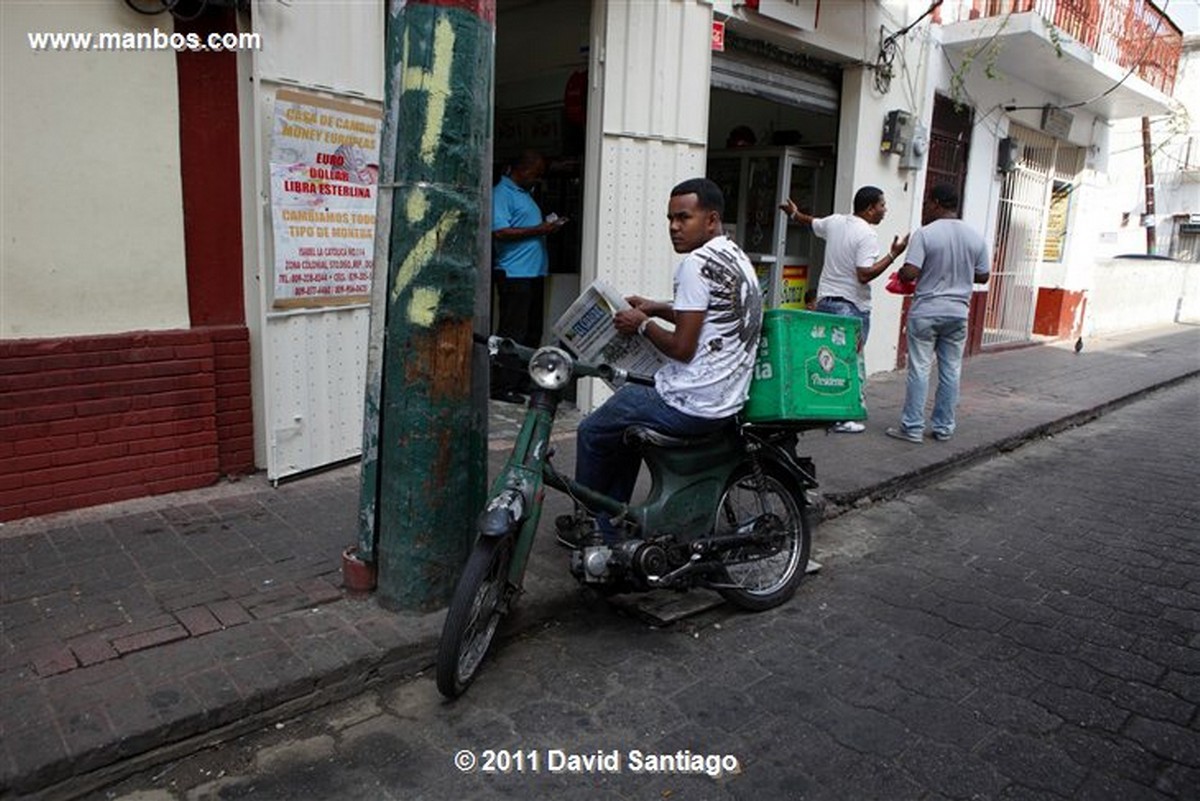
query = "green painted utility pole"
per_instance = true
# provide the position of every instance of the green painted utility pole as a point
(424, 468)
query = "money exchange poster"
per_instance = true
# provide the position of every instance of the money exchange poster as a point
(324, 184)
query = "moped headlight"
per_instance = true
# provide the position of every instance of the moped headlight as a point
(550, 368)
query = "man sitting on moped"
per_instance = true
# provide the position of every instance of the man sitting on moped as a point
(717, 317)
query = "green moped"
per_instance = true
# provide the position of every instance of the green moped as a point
(728, 511)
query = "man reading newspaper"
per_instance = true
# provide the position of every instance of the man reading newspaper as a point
(588, 330)
(717, 317)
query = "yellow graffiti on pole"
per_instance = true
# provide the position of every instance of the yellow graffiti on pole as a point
(417, 205)
(423, 306)
(422, 252)
(435, 82)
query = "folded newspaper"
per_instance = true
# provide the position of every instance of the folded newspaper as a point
(587, 330)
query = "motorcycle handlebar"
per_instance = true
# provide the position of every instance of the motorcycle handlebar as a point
(618, 376)
(613, 375)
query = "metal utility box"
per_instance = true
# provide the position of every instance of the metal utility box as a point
(897, 132)
(807, 369)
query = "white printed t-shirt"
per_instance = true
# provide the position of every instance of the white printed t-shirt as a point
(716, 278)
(850, 243)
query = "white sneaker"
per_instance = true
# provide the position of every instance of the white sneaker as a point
(847, 427)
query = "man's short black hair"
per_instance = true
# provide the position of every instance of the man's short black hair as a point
(945, 196)
(866, 197)
(708, 195)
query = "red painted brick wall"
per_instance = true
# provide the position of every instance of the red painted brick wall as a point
(90, 420)
(1059, 312)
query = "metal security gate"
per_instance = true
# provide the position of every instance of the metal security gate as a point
(1020, 239)
(1045, 166)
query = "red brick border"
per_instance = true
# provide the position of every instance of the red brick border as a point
(91, 420)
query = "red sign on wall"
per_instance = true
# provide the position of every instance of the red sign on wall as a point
(718, 36)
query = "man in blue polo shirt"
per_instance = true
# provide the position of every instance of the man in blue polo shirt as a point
(520, 262)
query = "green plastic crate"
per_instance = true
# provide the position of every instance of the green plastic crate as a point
(807, 369)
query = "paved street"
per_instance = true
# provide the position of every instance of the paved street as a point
(1026, 629)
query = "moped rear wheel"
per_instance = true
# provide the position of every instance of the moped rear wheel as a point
(473, 616)
(758, 580)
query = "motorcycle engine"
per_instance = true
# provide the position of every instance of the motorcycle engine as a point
(631, 561)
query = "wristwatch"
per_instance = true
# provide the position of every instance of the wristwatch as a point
(641, 329)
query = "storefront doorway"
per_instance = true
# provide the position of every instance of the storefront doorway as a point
(773, 117)
(540, 104)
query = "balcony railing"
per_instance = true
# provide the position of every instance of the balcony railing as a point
(1130, 33)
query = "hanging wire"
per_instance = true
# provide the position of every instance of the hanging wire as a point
(883, 63)
(888, 47)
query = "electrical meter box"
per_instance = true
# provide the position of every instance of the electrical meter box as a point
(897, 132)
(807, 369)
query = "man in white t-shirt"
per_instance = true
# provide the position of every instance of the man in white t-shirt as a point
(717, 317)
(852, 262)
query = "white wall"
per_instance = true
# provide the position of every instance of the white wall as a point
(92, 221)
(862, 163)
(648, 117)
(1141, 293)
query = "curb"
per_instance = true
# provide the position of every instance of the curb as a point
(840, 503)
(223, 723)
(403, 661)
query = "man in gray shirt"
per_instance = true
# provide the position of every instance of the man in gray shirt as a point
(945, 257)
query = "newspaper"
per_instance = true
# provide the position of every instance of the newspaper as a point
(587, 330)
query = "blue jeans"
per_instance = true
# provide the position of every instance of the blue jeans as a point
(947, 336)
(847, 309)
(603, 462)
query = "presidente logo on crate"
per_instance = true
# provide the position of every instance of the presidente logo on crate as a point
(826, 373)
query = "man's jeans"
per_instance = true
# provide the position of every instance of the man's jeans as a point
(847, 309)
(603, 462)
(947, 336)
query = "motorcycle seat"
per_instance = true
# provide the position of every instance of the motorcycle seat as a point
(641, 435)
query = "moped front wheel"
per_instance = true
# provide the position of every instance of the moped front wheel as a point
(758, 578)
(474, 614)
